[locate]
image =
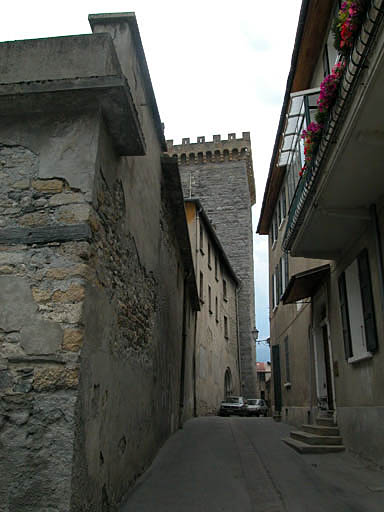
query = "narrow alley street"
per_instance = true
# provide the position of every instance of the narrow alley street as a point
(240, 464)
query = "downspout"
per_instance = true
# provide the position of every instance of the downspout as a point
(238, 336)
(183, 352)
(379, 252)
(197, 224)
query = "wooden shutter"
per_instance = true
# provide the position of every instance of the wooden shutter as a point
(345, 316)
(367, 300)
(277, 273)
(286, 269)
(276, 376)
(284, 203)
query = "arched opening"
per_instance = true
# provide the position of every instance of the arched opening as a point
(200, 157)
(191, 158)
(209, 156)
(227, 383)
(235, 154)
(217, 155)
(243, 151)
(183, 158)
(226, 155)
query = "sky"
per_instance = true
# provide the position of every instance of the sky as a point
(217, 67)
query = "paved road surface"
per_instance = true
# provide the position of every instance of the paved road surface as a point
(240, 464)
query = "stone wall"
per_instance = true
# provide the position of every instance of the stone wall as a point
(224, 193)
(42, 288)
(92, 287)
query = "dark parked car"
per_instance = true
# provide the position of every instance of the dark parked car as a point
(256, 407)
(233, 405)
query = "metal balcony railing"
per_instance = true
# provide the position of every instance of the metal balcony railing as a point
(305, 187)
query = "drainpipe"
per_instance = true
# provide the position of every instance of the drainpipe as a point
(183, 353)
(379, 251)
(238, 337)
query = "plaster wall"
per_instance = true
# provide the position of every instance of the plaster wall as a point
(214, 351)
(224, 193)
(359, 386)
(293, 321)
(91, 328)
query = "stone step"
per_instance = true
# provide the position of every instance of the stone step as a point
(309, 438)
(327, 422)
(301, 447)
(321, 430)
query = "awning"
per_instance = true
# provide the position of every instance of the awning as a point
(305, 284)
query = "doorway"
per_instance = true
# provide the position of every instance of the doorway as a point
(227, 383)
(323, 355)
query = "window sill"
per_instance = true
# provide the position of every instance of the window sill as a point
(217, 279)
(361, 357)
(209, 266)
(287, 385)
(201, 300)
(210, 312)
(225, 299)
(202, 252)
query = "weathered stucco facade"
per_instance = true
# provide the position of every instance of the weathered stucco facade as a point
(335, 217)
(96, 272)
(217, 333)
(220, 174)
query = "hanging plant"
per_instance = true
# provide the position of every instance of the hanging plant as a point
(347, 24)
(312, 137)
(329, 87)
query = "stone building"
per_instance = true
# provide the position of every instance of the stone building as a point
(217, 341)
(263, 372)
(326, 253)
(220, 174)
(96, 273)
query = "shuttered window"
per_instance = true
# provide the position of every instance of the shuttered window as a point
(367, 300)
(287, 367)
(357, 309)
(345, 316)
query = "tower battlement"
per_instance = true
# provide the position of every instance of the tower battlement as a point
(216, 151)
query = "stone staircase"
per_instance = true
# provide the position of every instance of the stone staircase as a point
(323, 437)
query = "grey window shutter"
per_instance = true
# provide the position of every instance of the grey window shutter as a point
(345, 316)
(286, 269)
(277, 273)
(367, 300)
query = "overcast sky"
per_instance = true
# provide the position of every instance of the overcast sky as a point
(216, 66)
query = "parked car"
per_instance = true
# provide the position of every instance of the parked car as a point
(233, 405)
(256, 407)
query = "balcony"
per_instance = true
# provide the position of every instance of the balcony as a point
(331, 203)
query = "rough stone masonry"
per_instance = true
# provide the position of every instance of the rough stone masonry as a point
(95, 275)
(220, 174)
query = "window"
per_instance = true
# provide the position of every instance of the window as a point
(274, 228)
(217, 310)
(226, 327)
(287, 367)
(209, 255)
(201, 287)
(201, 238)
(357, 309)
(274, 291)
(209, 299)
(283, 275)
(225, 290)
(216, 268)
(283, 203)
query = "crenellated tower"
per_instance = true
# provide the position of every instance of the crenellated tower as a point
(220, 174)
